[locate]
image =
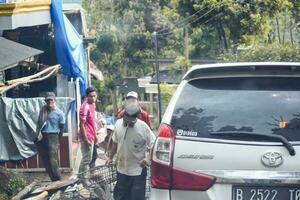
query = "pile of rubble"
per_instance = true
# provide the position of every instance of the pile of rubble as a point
(76, 189)
(82, 191)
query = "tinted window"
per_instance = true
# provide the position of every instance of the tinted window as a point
(257, 105)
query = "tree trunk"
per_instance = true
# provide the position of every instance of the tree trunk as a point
(223, 35)
(219, 36)
(291, 36)
(269, 38)
(278, 30)
(284, 30)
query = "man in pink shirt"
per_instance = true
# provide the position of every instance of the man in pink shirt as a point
(87, 132)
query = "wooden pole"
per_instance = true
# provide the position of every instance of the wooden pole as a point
(157, 76)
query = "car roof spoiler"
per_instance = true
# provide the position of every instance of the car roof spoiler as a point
(257, 69)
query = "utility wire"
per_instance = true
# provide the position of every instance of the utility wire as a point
(182, 21)
(172, 31)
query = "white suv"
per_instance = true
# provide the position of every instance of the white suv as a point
(231, 132)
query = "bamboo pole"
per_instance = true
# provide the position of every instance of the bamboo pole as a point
(25, 80)
(32, 76)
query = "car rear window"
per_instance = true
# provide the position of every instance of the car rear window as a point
(255, 105)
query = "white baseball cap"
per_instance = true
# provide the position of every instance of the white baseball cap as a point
(132, 94)
(110, 127)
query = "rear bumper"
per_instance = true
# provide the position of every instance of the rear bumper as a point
(159, 194)
(164, 194)
(217, 192)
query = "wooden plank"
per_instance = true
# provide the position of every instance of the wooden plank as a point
(32, 162)
(55, 186)
(11, 164)
(21, 164)
(41, 196)
(40, 162)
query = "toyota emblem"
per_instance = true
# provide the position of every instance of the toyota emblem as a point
(272, 159)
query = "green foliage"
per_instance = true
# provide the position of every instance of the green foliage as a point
(214, 27)
(181, 62)
(109, 109)
(266, 52)
(104, 95)
(4, 196)
(227, 23)
(123, 30)
(10, 183)
(166, 93)
(124, 38)
(16, 183)
(204, 43)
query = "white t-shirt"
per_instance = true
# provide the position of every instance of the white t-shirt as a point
(132, 148)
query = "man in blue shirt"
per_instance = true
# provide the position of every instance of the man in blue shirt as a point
(50, 128)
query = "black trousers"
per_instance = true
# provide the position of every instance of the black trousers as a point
(48, 151)
(130, 187)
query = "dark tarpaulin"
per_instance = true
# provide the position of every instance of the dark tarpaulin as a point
(18, 119)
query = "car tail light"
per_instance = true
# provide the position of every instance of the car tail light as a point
(183, 180)
(161, 168)
(164, 176)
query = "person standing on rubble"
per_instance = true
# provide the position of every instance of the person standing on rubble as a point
(132, 138)
(87, 128)
(50, 128)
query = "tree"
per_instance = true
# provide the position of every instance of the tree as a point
(232, 20)
(181, 63)
(167, 92)
(193, 28)
(124, 42)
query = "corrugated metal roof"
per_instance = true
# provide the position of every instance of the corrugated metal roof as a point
(12, 53)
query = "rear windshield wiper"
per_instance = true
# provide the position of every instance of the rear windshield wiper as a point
(279, 138)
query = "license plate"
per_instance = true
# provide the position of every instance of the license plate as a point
(265, 193)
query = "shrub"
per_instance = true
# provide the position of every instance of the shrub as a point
(10, 183)
(166, 92)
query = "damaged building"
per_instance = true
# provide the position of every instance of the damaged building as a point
(42, 49)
